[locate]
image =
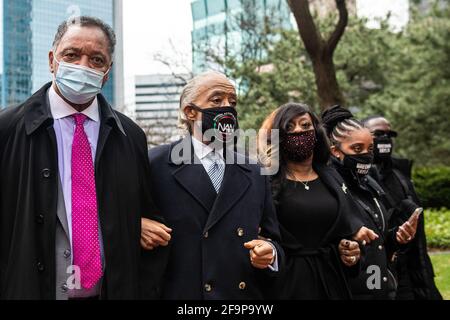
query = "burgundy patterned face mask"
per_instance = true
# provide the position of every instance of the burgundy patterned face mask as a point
(299, 146)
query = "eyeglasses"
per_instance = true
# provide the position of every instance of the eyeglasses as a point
(389, 133)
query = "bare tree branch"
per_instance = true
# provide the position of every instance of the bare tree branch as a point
(168, 64)
(340, 27)
(175, 64)
(307, 28)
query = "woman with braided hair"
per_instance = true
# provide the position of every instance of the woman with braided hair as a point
(352, 156)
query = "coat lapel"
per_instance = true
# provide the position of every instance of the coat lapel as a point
(37, 110)
(103, 135)
(194, 179)
(108, 121)
(338, 193)
(191, 175)
(235, 184)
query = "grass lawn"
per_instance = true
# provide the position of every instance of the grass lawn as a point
(441, 265)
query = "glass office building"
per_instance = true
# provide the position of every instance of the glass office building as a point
(16, 47)
(218, 25)
(28, 28)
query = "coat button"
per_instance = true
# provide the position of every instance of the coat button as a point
(40, 219)
(376, 216)
(242, 285)
(67, 253)
(46, 173)
(208, 287)
(240, 232)
(64, 288)
(380, 247)
(206, 235)
(40, 266)
(385, 279)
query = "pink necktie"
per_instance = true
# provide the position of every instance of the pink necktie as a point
(85, 241)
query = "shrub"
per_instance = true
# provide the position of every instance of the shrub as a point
(437, 228)
(433, 186)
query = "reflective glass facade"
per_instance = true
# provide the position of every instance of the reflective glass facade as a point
(216, 25)
(16, 51)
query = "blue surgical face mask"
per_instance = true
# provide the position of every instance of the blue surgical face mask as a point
(78, 84)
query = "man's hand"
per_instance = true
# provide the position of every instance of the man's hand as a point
(154, 234)
(365, 236)
(407, 231)
(349, 252)
(261, 253)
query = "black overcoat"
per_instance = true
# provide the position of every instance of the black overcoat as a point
(208, 259)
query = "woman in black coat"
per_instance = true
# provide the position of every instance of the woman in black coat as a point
(312, 208)
(352, 150)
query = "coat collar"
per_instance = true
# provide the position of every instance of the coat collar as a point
(38, 113)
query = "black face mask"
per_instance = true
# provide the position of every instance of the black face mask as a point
(358, 164)
(382, 148)
(223, 120)
(299, 146)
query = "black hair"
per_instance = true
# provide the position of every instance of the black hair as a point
(284, 115)
(339, 122)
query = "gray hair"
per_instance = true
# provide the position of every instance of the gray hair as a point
(190, 93)
(85, 21)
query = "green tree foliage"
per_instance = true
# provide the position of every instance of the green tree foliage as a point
(437, 228)
(433, 186)
(416, 92)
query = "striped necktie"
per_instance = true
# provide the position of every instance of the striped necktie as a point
(215, 172)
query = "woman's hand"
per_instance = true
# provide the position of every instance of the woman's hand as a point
(154, 234)
(365, 236)
(349, 252)
(407, 231)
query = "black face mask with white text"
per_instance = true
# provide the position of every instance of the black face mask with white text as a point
(223, 120)
(382, 148)
(358, 164)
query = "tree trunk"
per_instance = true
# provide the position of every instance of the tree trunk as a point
(320, 50)
(328, 89)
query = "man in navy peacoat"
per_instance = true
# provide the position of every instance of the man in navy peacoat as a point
(220, 219)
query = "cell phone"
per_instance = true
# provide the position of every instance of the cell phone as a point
(415, 215)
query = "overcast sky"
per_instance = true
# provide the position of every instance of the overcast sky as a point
(154, 28)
